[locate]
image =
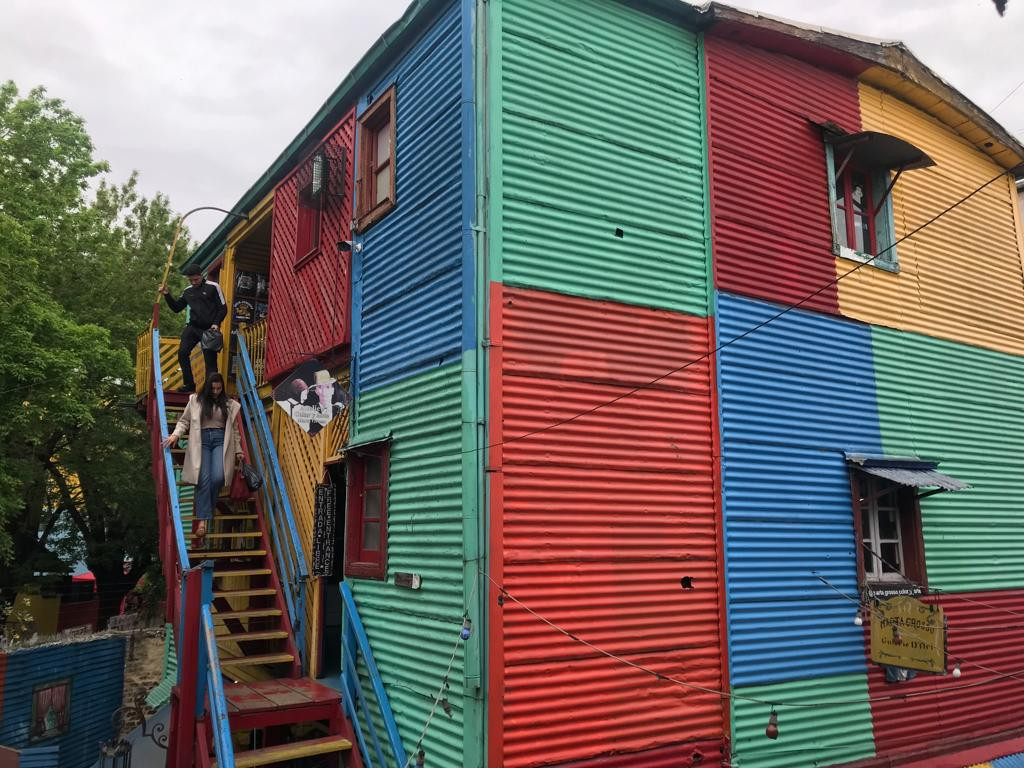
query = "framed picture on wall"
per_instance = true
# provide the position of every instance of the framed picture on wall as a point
(51, 707)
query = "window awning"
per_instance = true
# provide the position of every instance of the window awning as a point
(910, 472)
(872, 149)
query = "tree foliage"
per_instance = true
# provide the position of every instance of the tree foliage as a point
(78, 276)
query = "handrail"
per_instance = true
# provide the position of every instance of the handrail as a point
(287, 546)
(354, 640)
(171, 482)
(220, 725)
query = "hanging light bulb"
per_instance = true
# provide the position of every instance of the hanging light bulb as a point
(956, 671)
(857, 620)
(772, 731)
(467, 629)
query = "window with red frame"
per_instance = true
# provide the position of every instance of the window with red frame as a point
(376, 162)
(855, 206)
(366, 516)
(888, 525)
(312, 183)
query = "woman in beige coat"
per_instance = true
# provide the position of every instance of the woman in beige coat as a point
(212, 419)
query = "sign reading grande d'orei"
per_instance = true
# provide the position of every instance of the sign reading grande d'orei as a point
(908, 633)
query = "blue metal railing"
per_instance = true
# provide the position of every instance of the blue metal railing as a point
(211, 675)
(169, 479)
(355, 644)
(209, 657)
(288, 551)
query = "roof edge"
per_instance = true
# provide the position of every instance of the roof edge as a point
(341, 99)
(894, 56)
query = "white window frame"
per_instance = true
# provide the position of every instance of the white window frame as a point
(872, 538)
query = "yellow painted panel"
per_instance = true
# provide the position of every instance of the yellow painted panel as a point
(960, 278)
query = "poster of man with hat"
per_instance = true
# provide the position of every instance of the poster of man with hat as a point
(311, 396)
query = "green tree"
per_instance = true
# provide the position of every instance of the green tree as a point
(79, 273)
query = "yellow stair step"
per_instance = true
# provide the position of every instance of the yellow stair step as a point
(230, 572)
(235, 517)
(258, 592)
(252, 613)
(253, 661)
(270, 755)
(230, 535)
(241, 637)
(203, 554)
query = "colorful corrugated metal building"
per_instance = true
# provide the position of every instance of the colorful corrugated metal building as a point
(624, 294)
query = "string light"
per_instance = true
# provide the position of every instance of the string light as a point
(772, 731)
(858, 620)
(956, 671)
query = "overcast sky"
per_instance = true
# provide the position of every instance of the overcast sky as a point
(201, 96)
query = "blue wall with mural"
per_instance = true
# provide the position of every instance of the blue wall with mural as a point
(412, 269)
(793, 397)
(94, 671)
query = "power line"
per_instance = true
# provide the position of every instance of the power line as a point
(786, 310)
(1005, 98)
(956, 688)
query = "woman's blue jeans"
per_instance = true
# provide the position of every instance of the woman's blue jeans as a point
(211, 473)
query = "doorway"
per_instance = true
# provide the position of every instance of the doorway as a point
(330, 651)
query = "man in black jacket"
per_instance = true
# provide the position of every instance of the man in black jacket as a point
(207, 309)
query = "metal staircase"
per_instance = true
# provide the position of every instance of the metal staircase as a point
(240, 700)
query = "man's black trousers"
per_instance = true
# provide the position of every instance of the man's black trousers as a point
(189, 338)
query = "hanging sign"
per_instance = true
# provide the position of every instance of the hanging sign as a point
(324, 505)
(908, 633)
(311, 396)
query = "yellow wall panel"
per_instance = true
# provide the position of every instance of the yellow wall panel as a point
(302, 465)
(960, 278)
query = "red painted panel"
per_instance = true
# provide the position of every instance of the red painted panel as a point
(769, 185)
(599, 519)
(706, 754)
(308, 306)
(976, 705)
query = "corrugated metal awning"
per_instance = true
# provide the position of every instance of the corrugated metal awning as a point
(911, 472)
(872, 149)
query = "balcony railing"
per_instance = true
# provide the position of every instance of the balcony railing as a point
(168, 363)
(255, 336)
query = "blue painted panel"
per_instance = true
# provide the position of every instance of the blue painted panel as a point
(39, 757)
(409, 278)
(1010, 761)
(96, 670)
(794, 396)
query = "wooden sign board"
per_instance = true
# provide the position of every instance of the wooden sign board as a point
(908, 633)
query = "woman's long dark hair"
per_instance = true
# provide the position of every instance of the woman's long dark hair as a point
(208, 401)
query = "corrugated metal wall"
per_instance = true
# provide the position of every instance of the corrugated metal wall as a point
(413, 633)
(601, 519)
(788, 411)
(308, 309)
(985, 628)
(960, 279)
(408, 277)
(96, 670)
(597, 121)
(769, 184)
(961, 405)
(302, 465)
(809, 737)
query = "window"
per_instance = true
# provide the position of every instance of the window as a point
(366, 518)
(375, 184)
(889, 529)
(862, 222)
(51, 706)
(312, 183)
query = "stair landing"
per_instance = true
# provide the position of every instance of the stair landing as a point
(280, 700)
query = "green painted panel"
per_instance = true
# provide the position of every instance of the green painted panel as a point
(809, 737)
(413, 632)
(598, 128)
(961, 405)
